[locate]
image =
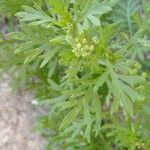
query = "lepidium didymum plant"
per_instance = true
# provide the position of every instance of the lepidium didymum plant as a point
(93, 85)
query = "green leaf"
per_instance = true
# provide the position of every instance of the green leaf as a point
(67, 104)
(48, 56)
(32, 54)
(66, 57)
(24, 46)
(98, 114)
(122, 91)
(58, 40)
(101, 80)
(133, 94)
(54, 100)
(127, 105)
(124, 12)
(87, 121)
(58, 6)
(35, 16)
(53, 85)
(131, 80)
(93, 9)
(16, 35)
(144, 42)
(71, 116)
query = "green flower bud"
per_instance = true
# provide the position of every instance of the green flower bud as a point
(76, 40)
(82, 49)
(140, 88)
(133, 71)
(78, 45)
(137, 65)
(137, 143)
(139, 147)
(95, 40)
(92, 47)
(142, 98)
(144, 74)
(143, 145)
(86, 47)
(84, 54)
(84, 40)
(77, 54)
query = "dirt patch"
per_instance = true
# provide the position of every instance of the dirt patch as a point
(17, 117)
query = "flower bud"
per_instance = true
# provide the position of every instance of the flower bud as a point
(137, 65)
(133, 72)
(84, 40)
(78, 45)
(92, 47)
(144, 74)
(95, 40)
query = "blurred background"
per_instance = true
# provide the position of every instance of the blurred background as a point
(17, 107)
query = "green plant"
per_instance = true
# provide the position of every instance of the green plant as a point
(80, 58)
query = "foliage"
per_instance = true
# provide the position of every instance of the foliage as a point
(82, 59)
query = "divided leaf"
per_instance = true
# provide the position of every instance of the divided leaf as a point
(35, 16)
(71, 116)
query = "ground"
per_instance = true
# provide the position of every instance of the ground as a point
(17, 117)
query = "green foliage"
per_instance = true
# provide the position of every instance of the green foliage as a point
(134, 18)
(81, 59)
(10, 7)
(124, 13)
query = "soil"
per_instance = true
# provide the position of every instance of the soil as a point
(17, 117)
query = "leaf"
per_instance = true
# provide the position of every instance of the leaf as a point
(58, 6)
(32, 54)
(131, 80)
(110, 126)
(52, 68)
(124, 12)
(24, 46)
(99, 83)
(113, 91)
(67, 104)
(144, 42)
(127, 105)
(87, 121)
(98, 114)
(54, 100)
(122, 91)
(48, 56)
(93, 9)
(61, 8)
(71, 116)
(35, 44)
(58, 40)
(94, 20)
(16, 35)
(112, 133)
(53, 85)
(74, 129)
(66, 57)
(134, 95)
(35, 16)
(76, 132)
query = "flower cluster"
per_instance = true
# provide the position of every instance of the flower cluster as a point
(82, 48)
(140, 145)
(136, 66)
